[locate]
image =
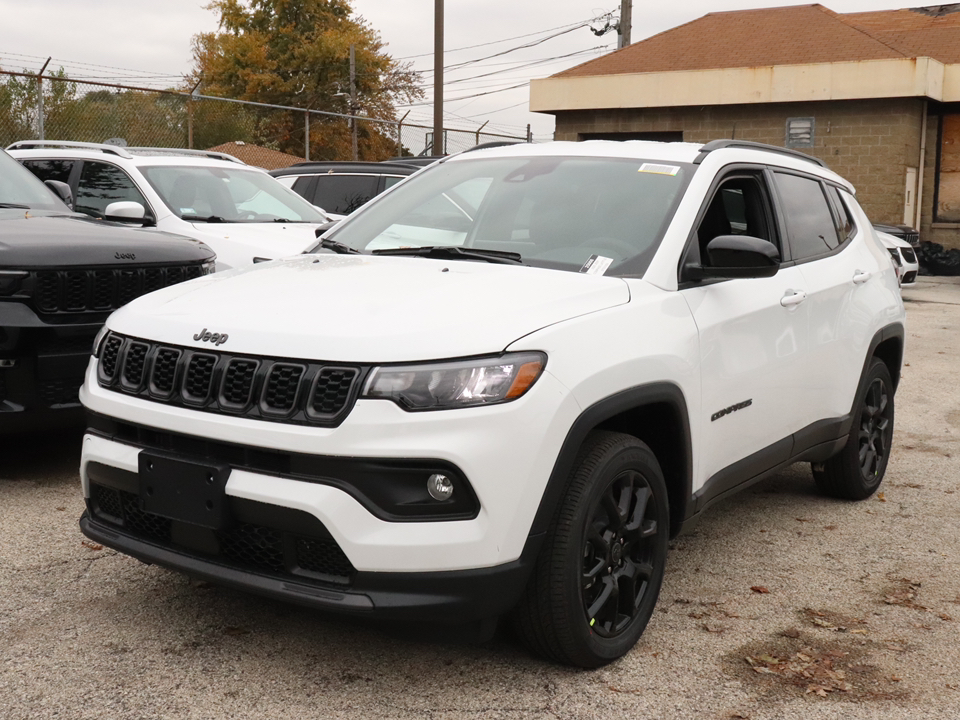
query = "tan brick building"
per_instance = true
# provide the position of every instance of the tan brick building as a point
(875, 95)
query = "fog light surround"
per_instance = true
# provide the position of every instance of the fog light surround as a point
(440, 487)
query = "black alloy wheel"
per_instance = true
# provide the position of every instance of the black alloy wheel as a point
(857, 470)
(598, 575)
(618, 554)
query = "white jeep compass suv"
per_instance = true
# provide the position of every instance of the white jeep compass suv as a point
(502, 386)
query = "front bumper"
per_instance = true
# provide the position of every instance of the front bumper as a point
(41, 370)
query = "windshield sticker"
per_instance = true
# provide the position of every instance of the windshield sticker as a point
(596, 265)
(659, 169)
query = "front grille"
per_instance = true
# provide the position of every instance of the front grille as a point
(313, 393)
(101, 290)
(243, 545)
(909, 277)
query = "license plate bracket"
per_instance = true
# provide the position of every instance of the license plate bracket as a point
(184, 490)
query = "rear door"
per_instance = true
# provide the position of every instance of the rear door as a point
(839, 277)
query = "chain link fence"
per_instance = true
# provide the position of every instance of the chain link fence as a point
(55, 107)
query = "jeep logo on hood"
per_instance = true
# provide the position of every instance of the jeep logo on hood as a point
(125, 256)
(215, 338)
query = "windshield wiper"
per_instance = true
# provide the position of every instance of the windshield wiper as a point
(208, 219)
(441, 252)
(14, 205)
(338, 247)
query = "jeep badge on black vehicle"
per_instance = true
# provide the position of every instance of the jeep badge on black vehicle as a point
(61, 275)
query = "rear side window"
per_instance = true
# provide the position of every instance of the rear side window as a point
(845, 225)
(810, 223)
(50, 169)
(342, 194)
(102, 184)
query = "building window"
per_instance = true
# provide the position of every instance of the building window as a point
(800, 132)
(948, 170)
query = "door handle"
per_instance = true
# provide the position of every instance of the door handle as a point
(861, 277)
(793, 297)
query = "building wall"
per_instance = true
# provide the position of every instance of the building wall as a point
(869, 142)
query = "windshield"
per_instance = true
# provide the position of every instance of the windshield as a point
(556, 212)
(20, 189)
(215, 194)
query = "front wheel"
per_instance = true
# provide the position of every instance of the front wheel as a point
(856, 471)
(598, 576)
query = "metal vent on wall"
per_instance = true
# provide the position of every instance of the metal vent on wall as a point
(800, 132)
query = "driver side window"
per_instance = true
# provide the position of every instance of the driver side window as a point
(740, 206)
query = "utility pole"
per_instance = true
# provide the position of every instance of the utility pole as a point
(626, 21)
(438, 77)
(353, 101)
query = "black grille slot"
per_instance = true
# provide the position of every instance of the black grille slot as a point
(48, 291)
(109, 355)
(152, 280)
(75, 291)
(102, 296)
(280, 392)
(107, 501)
(164, 371)
(127, 286)
(238, 383)
(909, 255)
(133, 363)
(175, 275)
(199, 375)
(193, 271)
(253, 545)
(332, 391)
(324, 557)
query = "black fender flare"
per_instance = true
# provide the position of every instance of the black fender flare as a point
(630, 399)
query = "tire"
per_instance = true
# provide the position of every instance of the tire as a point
(856, 472)
(597, 578)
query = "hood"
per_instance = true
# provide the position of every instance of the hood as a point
(368, 309)
(36, 238)
(283, 239)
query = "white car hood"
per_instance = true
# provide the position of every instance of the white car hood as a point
(351, 308)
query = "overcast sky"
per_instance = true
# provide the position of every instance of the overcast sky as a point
(136, 41)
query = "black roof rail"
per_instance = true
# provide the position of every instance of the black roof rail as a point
(749, 145)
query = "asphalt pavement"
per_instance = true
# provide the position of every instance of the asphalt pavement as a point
(781, 604)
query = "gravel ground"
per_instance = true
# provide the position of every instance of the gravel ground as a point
(782, 604)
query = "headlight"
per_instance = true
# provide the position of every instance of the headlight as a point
(444, 386)
(98, 341)
(208, 268)
(10, 281)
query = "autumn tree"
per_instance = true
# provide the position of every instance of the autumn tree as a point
(297, 53)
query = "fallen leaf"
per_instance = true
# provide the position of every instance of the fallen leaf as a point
(803, 519)
(791, 633)
(895, 678)
(881, 497)
(615, 689)
(829, 527)
(944, 616)
(91, 545)
(859, 631)
(759, 589)
(61, 509)
(713, 628)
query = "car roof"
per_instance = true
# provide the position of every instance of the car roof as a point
(337, 166)
(695, 153)
(137, 156)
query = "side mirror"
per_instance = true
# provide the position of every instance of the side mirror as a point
(737, 256)
(126, 212)
(61, 190)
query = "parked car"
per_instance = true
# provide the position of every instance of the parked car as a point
(503, 386)
(904, 256)
(904, 232)
(238, 210)
(341, 187)
(61, 274)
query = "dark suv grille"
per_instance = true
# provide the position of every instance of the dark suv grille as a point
(307, 393)
(77, 291)
(243, 545)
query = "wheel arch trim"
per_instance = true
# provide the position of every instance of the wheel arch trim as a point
(629, 400)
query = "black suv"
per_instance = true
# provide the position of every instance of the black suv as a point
(61, 275)
(341, 187)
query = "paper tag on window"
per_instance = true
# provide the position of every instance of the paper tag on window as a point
(596, 265)
(659, 169)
